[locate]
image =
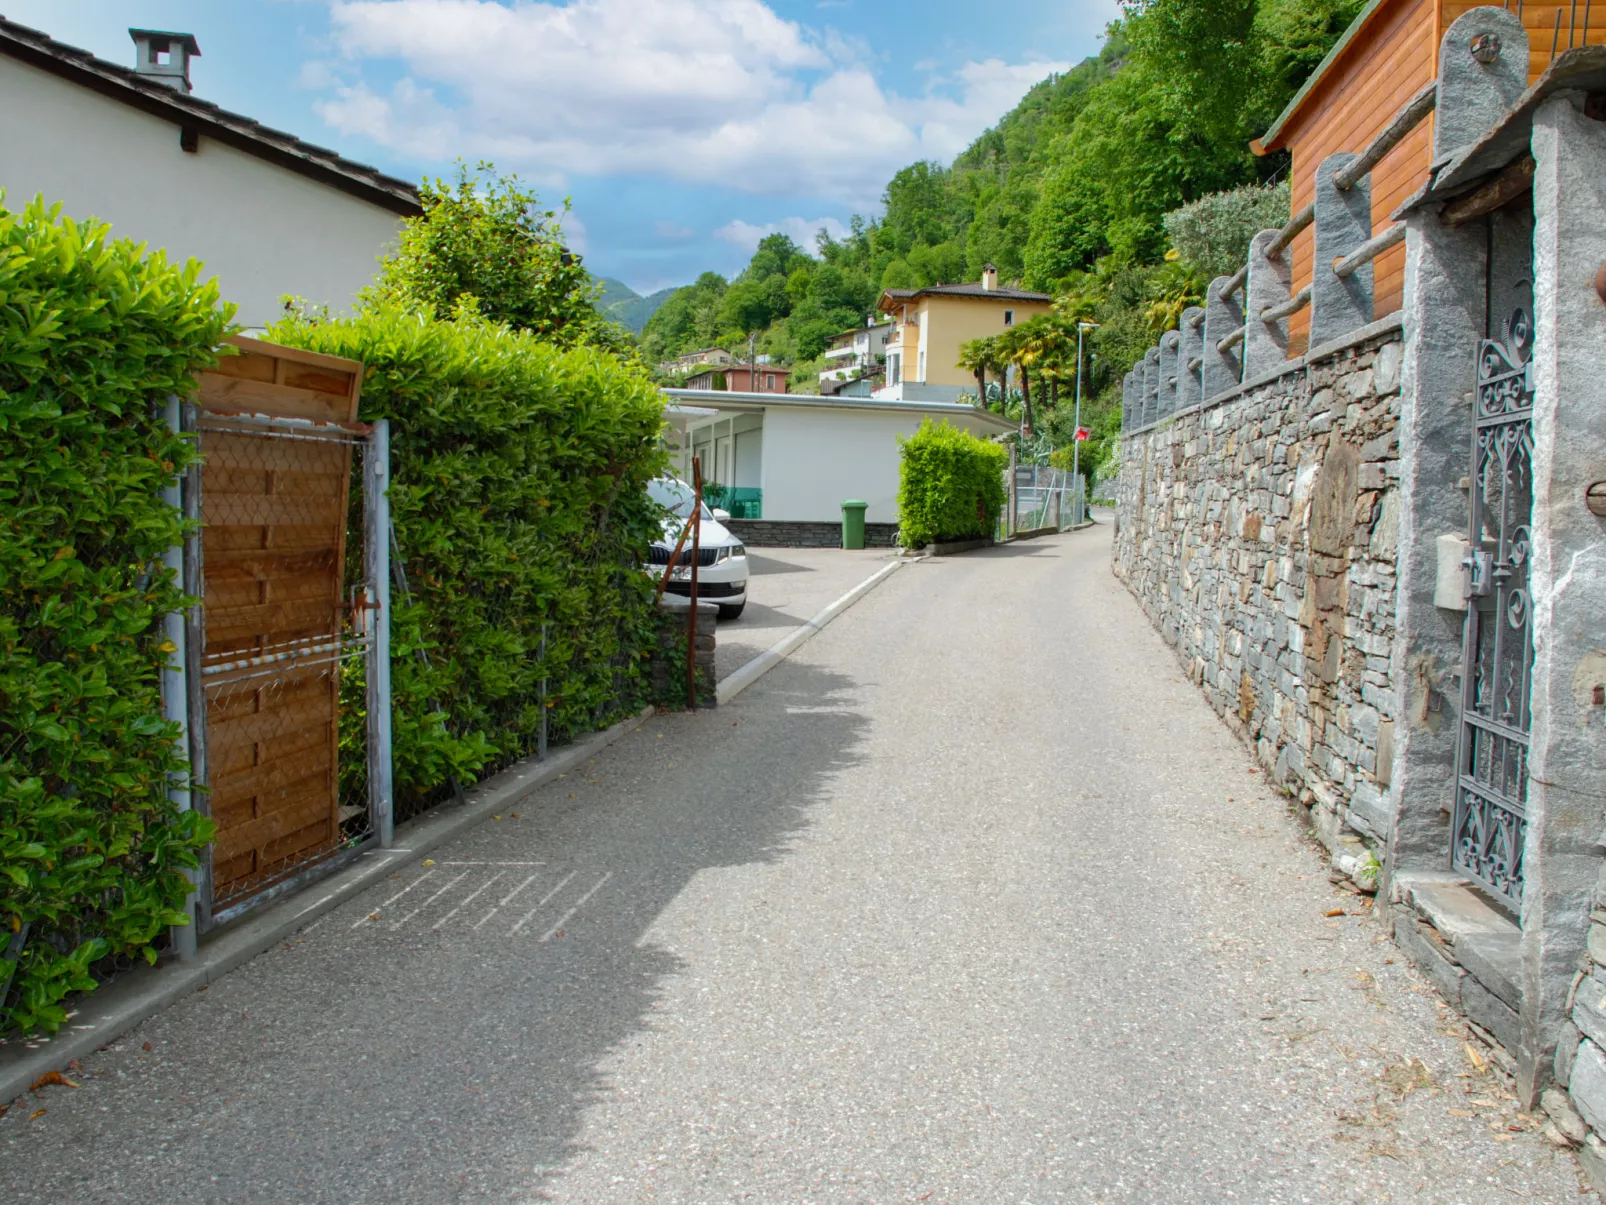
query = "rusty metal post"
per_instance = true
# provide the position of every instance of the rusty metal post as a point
(696, 547)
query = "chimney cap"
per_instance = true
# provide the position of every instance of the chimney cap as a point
(163, 39)
(180, 49)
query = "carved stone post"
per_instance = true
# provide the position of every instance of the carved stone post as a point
(1343, 222)
(1189, 350)
(1126, 403)
(1151, 386)
(1567, 574)
(1168, 373)
(1221, 370)
(1265, 343)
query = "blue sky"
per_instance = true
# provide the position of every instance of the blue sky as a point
(683, 130)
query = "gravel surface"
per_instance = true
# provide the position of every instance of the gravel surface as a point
(787, 588)
(972, 900)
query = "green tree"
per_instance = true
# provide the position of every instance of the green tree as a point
(485, 237)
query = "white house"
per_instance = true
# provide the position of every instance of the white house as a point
(854, 352)
(268, 214)
(805, 455)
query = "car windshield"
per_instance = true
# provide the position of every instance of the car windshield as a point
(675, 496)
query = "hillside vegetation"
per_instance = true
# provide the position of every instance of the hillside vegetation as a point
(1069, 193)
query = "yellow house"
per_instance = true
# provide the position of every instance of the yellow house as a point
(928, 326)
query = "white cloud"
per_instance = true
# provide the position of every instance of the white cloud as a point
(719, 91)
(747, 236)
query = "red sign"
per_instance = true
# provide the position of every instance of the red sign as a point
(1083, 435)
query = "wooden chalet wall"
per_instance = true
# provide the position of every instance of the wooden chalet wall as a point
(1390, 56)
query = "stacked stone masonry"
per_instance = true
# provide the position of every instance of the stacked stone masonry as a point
(1258, 533)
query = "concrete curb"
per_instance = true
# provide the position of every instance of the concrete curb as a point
(784, 647)
(107, 1014)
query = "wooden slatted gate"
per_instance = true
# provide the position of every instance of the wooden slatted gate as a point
(278, 433)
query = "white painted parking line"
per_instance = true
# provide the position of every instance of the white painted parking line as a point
(429, 901)
(371, 915)
(505, 899)
(578, 904)
(468, 899)
(544, 899)
(493, 863)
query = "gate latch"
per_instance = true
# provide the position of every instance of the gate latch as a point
(1480, 571)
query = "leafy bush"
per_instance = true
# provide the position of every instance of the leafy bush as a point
(518, 493)
(951, 485)
(1214, 232)
(94, 336)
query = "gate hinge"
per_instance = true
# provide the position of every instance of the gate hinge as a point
(1480, 566)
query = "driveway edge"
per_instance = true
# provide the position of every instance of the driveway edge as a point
(788, 644)
(105, 1015)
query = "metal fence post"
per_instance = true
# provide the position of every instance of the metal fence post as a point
(376, 566)
(176, 687)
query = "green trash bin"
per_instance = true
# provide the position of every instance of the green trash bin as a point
(853, 523)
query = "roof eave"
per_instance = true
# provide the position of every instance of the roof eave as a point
(1268, 141)
(81, 67)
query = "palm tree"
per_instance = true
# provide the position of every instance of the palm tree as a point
(1017, 347)
(977, 357)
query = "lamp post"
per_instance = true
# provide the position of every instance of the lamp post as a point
(1076, 439)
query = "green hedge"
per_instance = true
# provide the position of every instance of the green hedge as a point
(951, 486)
(518, 492)
(94, 336)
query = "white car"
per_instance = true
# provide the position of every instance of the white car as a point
(721, 558)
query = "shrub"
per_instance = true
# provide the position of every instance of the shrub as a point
(951, 485)
(94, 336)
(1214, 231)
(518, 494)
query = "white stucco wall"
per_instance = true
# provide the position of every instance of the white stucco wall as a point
(815, 458)
(262, 230)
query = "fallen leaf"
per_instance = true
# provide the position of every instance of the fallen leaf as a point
(37, 1113)
(515, 815)
(4, 1109)
(1462, 1113)
(1475, 1058)
(147, 1046)
(428, 862)
(1334, 912)
(52, 1077)
(496, 817)
(373, 916)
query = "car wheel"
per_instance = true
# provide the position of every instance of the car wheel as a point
(728, 613)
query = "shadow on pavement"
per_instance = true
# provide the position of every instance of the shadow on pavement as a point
(387, 1059)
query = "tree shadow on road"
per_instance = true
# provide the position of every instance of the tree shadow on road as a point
(385, 1059)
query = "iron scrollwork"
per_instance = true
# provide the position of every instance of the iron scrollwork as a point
(1492, 781)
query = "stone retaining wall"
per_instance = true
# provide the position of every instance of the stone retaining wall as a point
(1258, 533)
(787, 533)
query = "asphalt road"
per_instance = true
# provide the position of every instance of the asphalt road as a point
(972, 900)
(788, 587)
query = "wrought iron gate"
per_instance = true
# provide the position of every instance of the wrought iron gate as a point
(1497, 648)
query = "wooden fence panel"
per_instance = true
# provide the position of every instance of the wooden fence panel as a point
(273, 506)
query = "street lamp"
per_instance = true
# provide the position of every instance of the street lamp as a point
(1076, 439)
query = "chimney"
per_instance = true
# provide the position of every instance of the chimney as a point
(164, 57)
(989, 277)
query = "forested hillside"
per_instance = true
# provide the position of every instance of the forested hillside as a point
(1068, 193)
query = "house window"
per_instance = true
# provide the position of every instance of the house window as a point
(894, 368)
(769, 381)
(922, 374)
(1009, 317)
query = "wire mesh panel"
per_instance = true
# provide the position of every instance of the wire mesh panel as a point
(282, 671)
(281, 659)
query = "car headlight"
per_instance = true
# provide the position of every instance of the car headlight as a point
(738, 550)
(726, 552)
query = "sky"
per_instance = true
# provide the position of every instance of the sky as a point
(682, 131)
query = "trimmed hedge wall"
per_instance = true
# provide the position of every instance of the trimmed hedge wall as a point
(519, 495)
(94, 336)
(951, 486)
